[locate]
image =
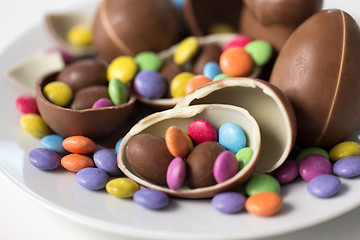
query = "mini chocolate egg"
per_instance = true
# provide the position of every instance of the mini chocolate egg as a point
(168, 71)
(317, 70)
(86, 97)
(128, 27)
(208, 53)
(83, 73)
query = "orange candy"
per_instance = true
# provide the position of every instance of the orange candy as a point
(236, 62)
(79, 144)
(75, 162)
(196, 82)
(176, 142)
(264, 203)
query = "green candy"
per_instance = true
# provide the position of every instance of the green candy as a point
(312, 150)
(262, 183)
(148, 61)
(243, 156)
(118, 92)
(221, 76)
(260, 51)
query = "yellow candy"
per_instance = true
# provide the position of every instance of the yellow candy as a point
(59, 93)
(186, 50)
(221, 28)
(190, 143)
(79, 35)
(344, 149)
(35, 125)
(123, 68)
(122, 187)
(178, 84)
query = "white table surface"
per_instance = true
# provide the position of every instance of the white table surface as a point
(21, 217)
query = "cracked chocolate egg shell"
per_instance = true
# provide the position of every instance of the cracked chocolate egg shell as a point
(157, 124)
(317, 70)
(128, 27)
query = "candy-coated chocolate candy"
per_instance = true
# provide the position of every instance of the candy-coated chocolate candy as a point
(260, 51)
(75, 162)
(44, 159)
(229, 202)
(186, 50)
(176, 142)
(262, 183)
(264, 204)
(150, 84)
(236, 62)
(79, 144)
(347, 167)
(92, 178)
(34, 124)
(225, 166)
(26, 104)
(196, 82)
(177, 86)
(344, 149)
(117, 145)
(201, 131)
(211, 70)
(118, 92)
(217, 28)
(314, 165)
(232, 137)
(148, 60)
(190, 143)
(287, 172)
(79, 35)
(151, 199)
(238, 41)
(123, 68)
(243, 156)
(221, 76)
(105, 159)
(312, 150)
(103, 102)
(122, 187)
(324, 186)
(53, 142)
(59, 93)
(176, 173)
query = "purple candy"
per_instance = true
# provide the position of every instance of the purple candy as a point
(44, 159)
(225, 166)
(106, 160)
(102, 102)
(347, 167)
(287, 172)
(229, 202)
(151, 199)
(92, 178)
(176, 172)
(150, 84)
(324, 186)
(314, 165)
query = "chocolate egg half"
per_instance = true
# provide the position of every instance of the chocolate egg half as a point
(317, 70)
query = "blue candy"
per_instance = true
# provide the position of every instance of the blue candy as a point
(44, 159)
(106, 160)
(92, 178)
(211, 70)
(150, 84)
(118, 145)
(347, 167)
(324, 186)
(53, 142)
(232, 137)
(151, 199)
(229, 202)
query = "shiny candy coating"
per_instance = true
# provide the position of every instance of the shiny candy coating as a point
(122, 187)
(211, 70)
(53, 142)
(79, 35)
(79, 144)
(314, 165)
(186, 50)
(59, 93)
(34, 124)
(92, 178)
(176, 173)
(312, 150)
(177, 86)
(221, 76)
(150, 84)
(347, 167)
(201, 131)
(102, 102)
(260, 51)
(26, 104)
(239, 41)
(287, 172)
(243, 156)
(148, 60)
(117, 145)
(196, 82)
(151, 199)
(236, 62)
(176, 142)
(105, 159)
(264, 204)
(75, 162)
(123, 68)
(262, 183)
(44, 159)
(118, 92)
(225, 166)
(87, 96)
(232, 137)
(324, 186)
(229, 202)
(344, 149)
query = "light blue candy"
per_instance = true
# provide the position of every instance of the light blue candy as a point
(53, 142)
(211, 70)
(117, 145)
(232, 137)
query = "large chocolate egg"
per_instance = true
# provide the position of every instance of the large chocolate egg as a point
(127, 27)
(317, 70)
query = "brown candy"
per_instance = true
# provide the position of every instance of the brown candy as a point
(86, 97)
(209, 53)
(200, 163)
(149, 156)
(318, 71)
(169, 71)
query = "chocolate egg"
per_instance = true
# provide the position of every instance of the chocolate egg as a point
(128, 27)
(317, 70)
(84, 73)
(208, 53)
(86, 97)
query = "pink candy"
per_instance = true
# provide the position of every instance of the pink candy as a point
(225, 166)
(314, 165)
(26, 104)
(103, 102)
(176, 172)
(239, 41)
(287, 172)
(201, 131)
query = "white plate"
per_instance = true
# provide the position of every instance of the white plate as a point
(190, 219)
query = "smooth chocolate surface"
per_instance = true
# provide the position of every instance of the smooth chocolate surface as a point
(86, 97)
(208, 53)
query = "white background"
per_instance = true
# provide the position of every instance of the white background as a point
(22, 217)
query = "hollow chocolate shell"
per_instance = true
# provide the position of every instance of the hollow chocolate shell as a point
(317, 70)
(95, 123)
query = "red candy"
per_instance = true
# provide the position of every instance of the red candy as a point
(239, 41)
(201, 131)
(26, 104)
